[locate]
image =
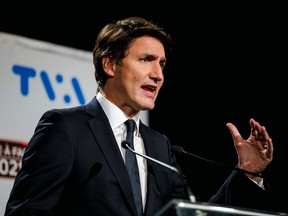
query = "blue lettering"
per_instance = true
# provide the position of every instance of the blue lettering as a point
(25, 73)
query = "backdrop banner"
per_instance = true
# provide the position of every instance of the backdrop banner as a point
(36, 76)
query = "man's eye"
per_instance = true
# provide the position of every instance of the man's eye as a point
(145, 59)
(162, 64)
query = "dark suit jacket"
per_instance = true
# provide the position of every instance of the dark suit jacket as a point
(73, 166)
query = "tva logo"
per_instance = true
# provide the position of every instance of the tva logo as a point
(27, 73)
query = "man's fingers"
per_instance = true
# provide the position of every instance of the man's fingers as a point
(234, 132)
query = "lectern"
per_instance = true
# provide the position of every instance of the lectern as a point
(185, 208)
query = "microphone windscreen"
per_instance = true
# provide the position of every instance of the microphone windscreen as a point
(124, 144)
(177, 149)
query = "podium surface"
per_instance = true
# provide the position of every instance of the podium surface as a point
(185, 208)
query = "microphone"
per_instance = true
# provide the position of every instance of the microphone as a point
(126, 145)
(180, 150)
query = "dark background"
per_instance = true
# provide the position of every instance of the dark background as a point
(228, 65)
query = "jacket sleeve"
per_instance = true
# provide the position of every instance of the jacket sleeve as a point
(46, 165)
(239, 191)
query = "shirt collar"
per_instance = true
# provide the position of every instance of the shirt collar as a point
(115, 115)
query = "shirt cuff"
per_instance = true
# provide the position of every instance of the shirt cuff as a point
(260, 184)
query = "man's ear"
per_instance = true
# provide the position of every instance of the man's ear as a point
(108, 66)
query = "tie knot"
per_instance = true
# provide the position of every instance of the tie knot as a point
(130, 124)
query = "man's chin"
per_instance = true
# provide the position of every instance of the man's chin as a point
(147, 108)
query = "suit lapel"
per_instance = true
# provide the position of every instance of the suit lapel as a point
(103, 134)
(151, 150)
(158, 180)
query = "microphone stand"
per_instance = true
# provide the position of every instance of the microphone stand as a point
(125, 144)
(180, 150)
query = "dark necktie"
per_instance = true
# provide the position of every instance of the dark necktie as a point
(132, 166)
